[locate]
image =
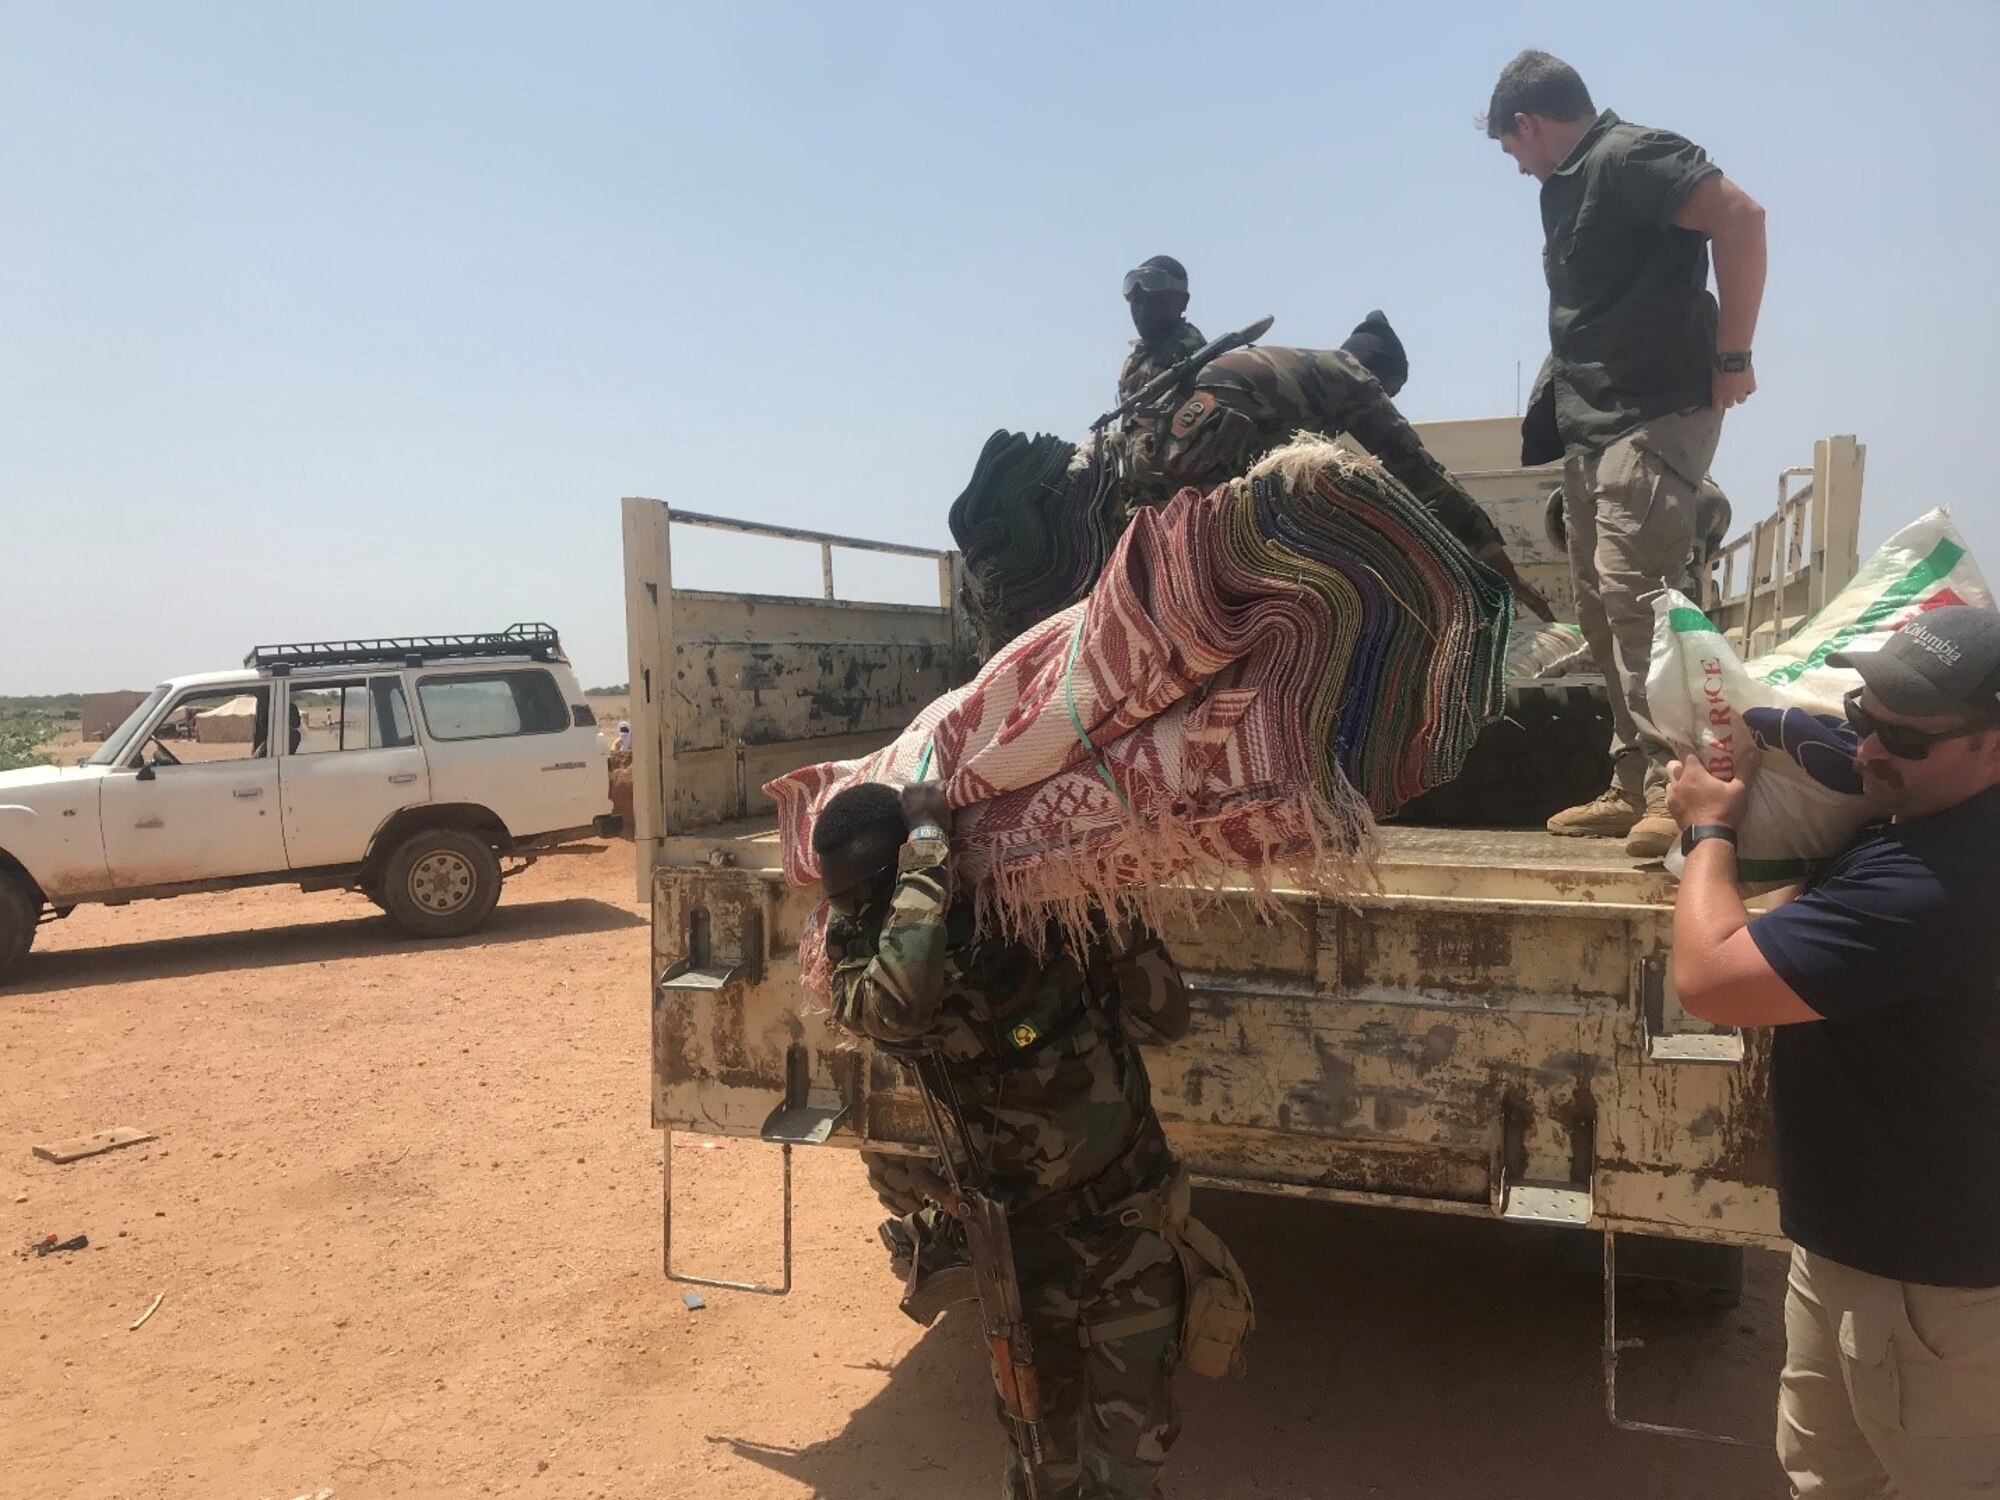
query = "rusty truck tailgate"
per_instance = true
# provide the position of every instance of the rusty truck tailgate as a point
(1490, 1030)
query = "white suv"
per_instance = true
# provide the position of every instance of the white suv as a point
(403, 768)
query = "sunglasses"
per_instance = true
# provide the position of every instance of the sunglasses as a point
(853, 900)
(1153, 279)
(1900, 740)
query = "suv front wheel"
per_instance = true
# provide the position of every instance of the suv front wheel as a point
(441, 882)
(20, 914)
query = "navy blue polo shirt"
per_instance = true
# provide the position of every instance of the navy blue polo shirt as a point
(1887, 1112)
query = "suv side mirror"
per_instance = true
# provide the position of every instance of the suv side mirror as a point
(146, 771)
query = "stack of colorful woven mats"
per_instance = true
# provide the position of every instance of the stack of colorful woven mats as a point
(1257, 672)
(1035, 524)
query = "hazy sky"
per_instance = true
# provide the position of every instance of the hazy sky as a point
(359, 318)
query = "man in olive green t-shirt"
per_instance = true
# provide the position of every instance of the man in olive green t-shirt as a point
(1642, 364)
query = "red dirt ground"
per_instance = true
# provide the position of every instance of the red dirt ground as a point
(404, 1209)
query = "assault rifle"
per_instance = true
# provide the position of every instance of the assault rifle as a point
(1171, 379)
(990, 1248)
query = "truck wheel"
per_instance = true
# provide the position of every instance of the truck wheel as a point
(903, 1183)
(441, 882)
(20, 914)
(1551, 751)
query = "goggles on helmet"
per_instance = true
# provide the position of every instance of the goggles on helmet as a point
(1153, 279)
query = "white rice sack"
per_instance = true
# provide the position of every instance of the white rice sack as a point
(1806, 803)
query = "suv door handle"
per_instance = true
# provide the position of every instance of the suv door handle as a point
(247, 792)
(403, 778)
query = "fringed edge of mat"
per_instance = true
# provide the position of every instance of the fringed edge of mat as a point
(1159, 876)
(1165, 874)
(1304, 456)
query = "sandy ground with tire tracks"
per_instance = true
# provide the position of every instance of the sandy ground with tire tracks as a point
(404, 1212)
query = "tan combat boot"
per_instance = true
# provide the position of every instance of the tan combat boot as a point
(1654, 833)
(1611, 816)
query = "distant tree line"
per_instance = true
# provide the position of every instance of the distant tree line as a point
(49, 705)
(28, 722)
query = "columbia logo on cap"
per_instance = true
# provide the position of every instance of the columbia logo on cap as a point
(1944, 650)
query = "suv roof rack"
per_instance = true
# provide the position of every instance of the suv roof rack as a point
(535, 640)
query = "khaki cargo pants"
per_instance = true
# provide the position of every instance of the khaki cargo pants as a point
(1630, 512)
(1890, 1388)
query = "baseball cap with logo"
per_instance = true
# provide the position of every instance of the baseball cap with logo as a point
(1943, 663)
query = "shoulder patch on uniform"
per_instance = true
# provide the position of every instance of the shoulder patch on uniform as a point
(1192, 411)
(1023, 1035)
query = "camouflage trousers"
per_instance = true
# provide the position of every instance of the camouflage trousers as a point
(1107, 1400)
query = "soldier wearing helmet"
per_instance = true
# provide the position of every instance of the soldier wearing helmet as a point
(1156, 291)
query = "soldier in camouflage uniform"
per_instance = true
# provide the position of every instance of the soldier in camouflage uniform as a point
(1249, 401)
(1059, 1112)
(1157, 293)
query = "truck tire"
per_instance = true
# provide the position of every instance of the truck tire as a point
(441, 882)
(20, 915)
(1551, 750)
(903, 1183)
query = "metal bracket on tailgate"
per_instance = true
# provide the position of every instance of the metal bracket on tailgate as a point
(1545, 1203)
(1543, 1198)
(808, 1115)
(1724, 1047)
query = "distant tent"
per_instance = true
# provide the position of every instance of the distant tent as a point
(231, 723)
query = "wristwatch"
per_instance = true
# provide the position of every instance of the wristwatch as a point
(1735, 362)
(1698, 831)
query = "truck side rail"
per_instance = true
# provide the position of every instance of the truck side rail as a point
(730, 690)
(1783, 570)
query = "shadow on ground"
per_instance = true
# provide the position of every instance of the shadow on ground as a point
(367, 931)
(1397, 1354)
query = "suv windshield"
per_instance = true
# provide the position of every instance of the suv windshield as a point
(114, 750)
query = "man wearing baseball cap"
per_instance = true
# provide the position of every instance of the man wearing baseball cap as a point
(1882, 978)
